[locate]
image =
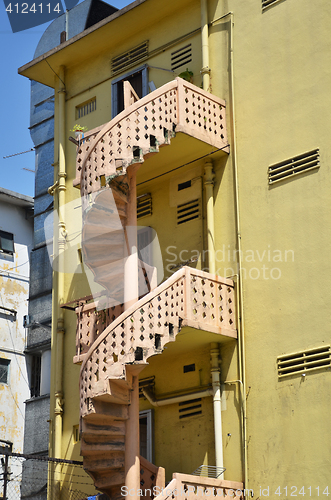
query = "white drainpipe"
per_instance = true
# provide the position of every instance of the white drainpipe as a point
(215, 374)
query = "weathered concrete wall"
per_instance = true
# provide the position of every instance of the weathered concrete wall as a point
(14, 290)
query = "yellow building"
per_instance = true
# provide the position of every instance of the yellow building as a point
(217, 329)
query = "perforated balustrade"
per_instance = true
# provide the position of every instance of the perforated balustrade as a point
(189, 298)
(147, 124)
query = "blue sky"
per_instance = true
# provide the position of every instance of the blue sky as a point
(18, 49)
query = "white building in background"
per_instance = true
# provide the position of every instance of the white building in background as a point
(16, 235)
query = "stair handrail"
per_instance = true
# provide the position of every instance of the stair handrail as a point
(184, 272)
(140, 303)
(126, 112)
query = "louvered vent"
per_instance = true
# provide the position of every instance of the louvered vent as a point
(304, 361)
(181, 57)
(266, 3)
(294, 166)
(86, 108)
(127, 59)
(188, 211)
(144, 206)
(190, 408)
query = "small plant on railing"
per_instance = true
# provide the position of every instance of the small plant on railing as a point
(78, 128)
(79, 132)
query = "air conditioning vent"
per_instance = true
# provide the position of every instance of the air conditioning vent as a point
(181, 57)
(144, 206)
(188, 211)
(304, 361)
(129, 58)
(190, 408)
(294, 166)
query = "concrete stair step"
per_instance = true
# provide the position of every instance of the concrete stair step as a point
(105, 480)
(111, 392)
(92, 445)
(99, 410)
(104, 427)
(104, 461)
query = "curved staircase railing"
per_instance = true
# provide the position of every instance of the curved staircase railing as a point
(190, 297)
(143, 127)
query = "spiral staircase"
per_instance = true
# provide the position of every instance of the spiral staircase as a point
(114, 344)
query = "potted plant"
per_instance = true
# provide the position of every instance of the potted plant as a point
(79, 131)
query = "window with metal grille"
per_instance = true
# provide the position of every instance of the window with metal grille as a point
(4, 370)
(294, 166)
(144, 205)
(35, 375)
(127, 59)
(188, 211)
(6, 242)
(304, 361)
(86, 108)
(181, 57)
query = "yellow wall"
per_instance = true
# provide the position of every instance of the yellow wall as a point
(281, 84)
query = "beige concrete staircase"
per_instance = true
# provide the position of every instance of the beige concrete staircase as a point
(113, 344)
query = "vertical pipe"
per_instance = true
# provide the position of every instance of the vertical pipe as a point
(209, 188)
(61, 239)
(241, 323)
(205, 70)
(132, 462)
(215, 374)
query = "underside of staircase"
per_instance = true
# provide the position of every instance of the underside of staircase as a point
(114, 344)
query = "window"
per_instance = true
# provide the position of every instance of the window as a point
(6, 242)
(35, 375)
(146, 434)
(4, 370)
(139, 81)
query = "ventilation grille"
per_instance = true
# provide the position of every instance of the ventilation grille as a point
(294, 166)
(127, 59)
(304, 361)
(266, 3)
(188, 211)
(190, 408)
(181, 57)
(86, 108)
(144, 206)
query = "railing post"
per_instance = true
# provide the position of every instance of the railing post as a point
(180, 104)
(132, 462)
